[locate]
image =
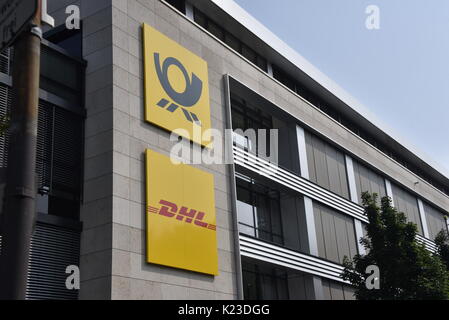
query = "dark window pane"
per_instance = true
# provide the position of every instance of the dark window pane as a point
(262, 63)
(178, 4)
(69, 40)
(200, 18)
(238, 121)
(264, 282)
(233, 42)
(72, 43)
(215, 30)
(64, 208)
(249, 54)
(250, 285)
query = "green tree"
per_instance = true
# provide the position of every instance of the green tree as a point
(407, 270)
(442, 242)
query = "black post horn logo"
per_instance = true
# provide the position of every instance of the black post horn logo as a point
(181, 100)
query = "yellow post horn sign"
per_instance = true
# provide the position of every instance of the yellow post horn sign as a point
(181, 220)
(176, 87)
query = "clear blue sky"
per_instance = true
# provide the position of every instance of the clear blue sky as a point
(400, 72)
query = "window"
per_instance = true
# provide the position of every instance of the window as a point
(436, 221)
(69, 40)
(231, 40)
(327, 166)
(258, 209)
(246, 117)
(180, 5)
(335, 234)
(61, 75)
(262, 63)
(333, 290)
(249, 54)
(264, 282)
(200, 18)
(408, 204)
(368, 180)
(284, 79)
(213, 28)
(59, 161)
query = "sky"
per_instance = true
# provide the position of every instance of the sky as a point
(399, 72)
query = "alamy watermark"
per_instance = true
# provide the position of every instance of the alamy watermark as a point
(372, 282)
(72, 282)
(73, 19)
(372, 21)
(261, 143)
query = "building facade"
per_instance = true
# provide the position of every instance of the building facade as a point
(282, 228)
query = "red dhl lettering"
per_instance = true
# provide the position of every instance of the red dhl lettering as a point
(170, 210)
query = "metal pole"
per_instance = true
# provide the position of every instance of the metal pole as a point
(19, 215)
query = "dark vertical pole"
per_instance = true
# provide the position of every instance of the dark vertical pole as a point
(19, 216)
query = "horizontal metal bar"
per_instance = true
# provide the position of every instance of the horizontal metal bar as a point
(60, 222)
(298, 184)
(260, 250)
(307, 188)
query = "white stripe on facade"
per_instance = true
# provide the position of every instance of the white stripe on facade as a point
(256, 249)
(389, 191)
(355, 198)
(422, 214)
(302, 150)
(190, 11)
(308, 208)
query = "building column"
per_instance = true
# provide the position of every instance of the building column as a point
(354, 198)
(308, 208)
(422, 215)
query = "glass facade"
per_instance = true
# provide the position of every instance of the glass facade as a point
(268, 212)
(301, 89)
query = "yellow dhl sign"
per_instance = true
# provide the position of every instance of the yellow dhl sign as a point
(181, 220)
(176, 87)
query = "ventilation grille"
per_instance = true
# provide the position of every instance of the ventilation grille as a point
(53, 249)
(59, 142)
(5, 108)
(5, 61)
(44, 145)
(67, 146)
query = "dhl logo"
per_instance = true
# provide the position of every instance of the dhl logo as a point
(170, 210)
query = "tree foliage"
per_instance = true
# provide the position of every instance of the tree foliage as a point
(442, 242)
(407, 270)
